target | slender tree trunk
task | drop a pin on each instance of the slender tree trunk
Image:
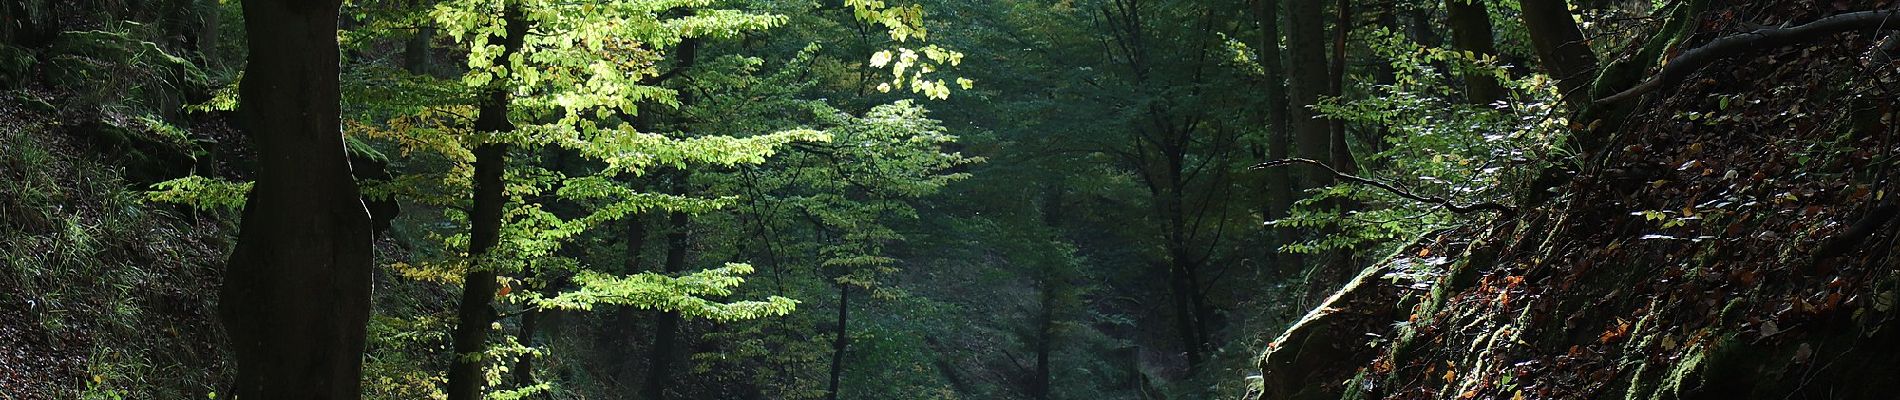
(1383, 78)
(416, 52)
(1340, 153)
(666, 328)
(296, 293)
(1050, 283)
(1470, 22)
(530, 324)
(1306, 62)
(1045, 332)
(1185, 325)
(844, 339)
(625, 318)
(1279, 181)
(1561, 49)
(476, 313)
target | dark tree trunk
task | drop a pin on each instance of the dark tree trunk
(1050, 282)
(666, 328)
(1306, 60)
(296, 293)
(844, 340)
(1561, 49)
(625, 319)
(478, 285)
(417, 54)
(28, 23)
(524, 366)
(1181, 290)
(1279, 181)
(1470, 22)
(678, 241)
(1339, 152)
(1045, 332)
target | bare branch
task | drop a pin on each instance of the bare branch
(1502, 210)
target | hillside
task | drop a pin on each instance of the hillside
(1732, 242)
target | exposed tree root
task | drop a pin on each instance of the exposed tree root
(1734, 45)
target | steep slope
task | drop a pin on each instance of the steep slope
(1731, 243)
(105, 294)
(102, 294)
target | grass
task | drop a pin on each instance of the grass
(116, 294)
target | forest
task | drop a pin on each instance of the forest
(949, 199)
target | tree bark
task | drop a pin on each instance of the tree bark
(416, 56)
(1470, 22)
(296, 292)
(1306, 60)
(1561, 49)
(28, 23)
(678, 241)
(1278, 184)
(1050, 283)
(666, 328)
(1339, 151)
(1039, 387)
(843, 340)
(476, 312)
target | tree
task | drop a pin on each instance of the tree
(296, 290)
(1279, 183)
(466, 377)
(1562, 50)
(1306, 60)
(1470, 22)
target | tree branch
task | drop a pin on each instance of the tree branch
(1502, 210)
(1734, 45)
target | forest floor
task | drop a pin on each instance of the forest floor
(102, 293)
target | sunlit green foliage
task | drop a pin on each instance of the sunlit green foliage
(1433, 145)
(202, 193)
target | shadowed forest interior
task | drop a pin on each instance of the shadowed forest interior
(948, 199)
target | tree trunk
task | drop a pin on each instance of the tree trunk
(296, 292)
(1045, 332)
(1182, 293)
(1470, 22)
(416, 52)
(524, 366)
(28, 23)
(1050, 283)
(843, 340)
(666, 328)
(476, 313)
(1562, 50)
(626, 318)
(1279, 181)
(1306, 60)
(1339, 151)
